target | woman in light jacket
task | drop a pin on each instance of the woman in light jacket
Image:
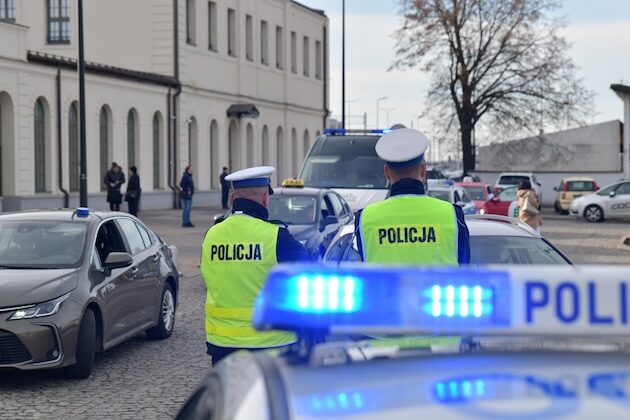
(530, 215)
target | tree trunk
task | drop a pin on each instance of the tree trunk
(467, 151)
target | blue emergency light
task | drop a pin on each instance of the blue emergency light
(382, 299)
(82, 212)
(344, 131)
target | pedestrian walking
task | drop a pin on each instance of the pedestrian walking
(187, 186)
(528, 204)
(236, 257)
(132, 195)
(410, 227)
(225, 188)
(114, 178)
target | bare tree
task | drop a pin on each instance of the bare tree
(500, 60)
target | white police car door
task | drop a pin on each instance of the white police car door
(619, 205)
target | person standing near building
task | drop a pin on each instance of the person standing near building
(114, 179)
(410, 227)
(225, 188)
(187, 186)
(236, 256)
(132, 195)
(528, 204)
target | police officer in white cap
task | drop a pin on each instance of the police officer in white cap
(410, 227)
(236, 256)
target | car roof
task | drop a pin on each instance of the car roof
(58, 214)
(517, 173)
(308, 191)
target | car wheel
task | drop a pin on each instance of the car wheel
(594, 214)
(166, 322)
(86, 348)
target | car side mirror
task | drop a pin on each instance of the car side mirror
(329, 220)
(118, 260)
(218, 218)
(612, 194)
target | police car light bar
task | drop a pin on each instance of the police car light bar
(344, 131)
(514, 300)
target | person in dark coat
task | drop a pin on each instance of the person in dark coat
(187, 186)
(225, 188)
(114, 179)
(132, 196)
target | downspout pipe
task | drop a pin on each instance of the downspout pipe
(325, 63)
(66, 195)
(174, 141)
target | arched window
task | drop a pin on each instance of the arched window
(307, 142)
(214, 153)
(280, 155)
(265, 146)
(40, 146)
(250, 145)
(132, 135)
(104, 132)
(6, 137)
(73, 147)
(234, 147)
(295, 165)
(157, 151)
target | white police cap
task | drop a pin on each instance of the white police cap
(257, 176)
(402, 148)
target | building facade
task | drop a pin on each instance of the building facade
(169, 83)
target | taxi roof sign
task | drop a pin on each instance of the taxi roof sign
(293, 183)
(521, 301)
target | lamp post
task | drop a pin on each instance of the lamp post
(83, 194)
(343, 63)
(382, 98)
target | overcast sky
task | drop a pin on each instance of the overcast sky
(599, 32)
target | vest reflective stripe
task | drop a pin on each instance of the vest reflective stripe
(237, 255)
(410, 229)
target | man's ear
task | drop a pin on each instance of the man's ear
(423, 170)
(387, 173)
(265, 198)
(232, 196)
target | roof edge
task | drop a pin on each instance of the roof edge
(310, 9)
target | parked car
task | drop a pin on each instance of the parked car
(312, 215)
(76, 283)
(612, 201)
(454, 195)
(503, 203)
(513, 179)
(493, 240)
(570, 189)
(479, 192)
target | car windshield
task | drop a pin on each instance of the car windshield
(512, 179)
(581, 186)
(476, 193)
(41, 244)
(441, 194)
(344, 162)
(293, 209)
(513, 250)
(607, 190)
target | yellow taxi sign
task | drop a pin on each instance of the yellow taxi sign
(293, 183)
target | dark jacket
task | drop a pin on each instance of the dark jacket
(224, 184)
(113, 193)
(187, 186)
(133, 187)
(410, 186)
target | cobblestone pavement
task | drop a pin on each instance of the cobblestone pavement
(151, 379)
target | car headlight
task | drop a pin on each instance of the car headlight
(40, 310)
(482, 211)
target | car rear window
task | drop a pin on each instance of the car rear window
(581, 186)
(512, 179)
(293, 209)
(476, 193)
(513, 250)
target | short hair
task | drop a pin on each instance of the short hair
(225, 168)
(250, 192)
(133, 169)
(407, 171)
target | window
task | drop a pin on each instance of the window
(249, 37)
(104, 143)
(7, 10)
(58, 22)
(336, 205)
(73, 145)
(279, 47)
(318, 60)
(40, 146)
(212, 26)
(131, 139)
(132, 234)
(293, 52)
(190, 22)
(623, 188)
(108, 240)
(232, 32)
(157, 152)
(336, 251)
(306, 57)
(264, 42)
(146, 237)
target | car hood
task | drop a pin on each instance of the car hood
(301, 232)
(25, 287)
(357, 199)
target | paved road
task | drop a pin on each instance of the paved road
(150, 380)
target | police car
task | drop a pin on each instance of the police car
(453, 194)
(492, 343)
(609, 202)
(493, 240)
(346, 161)
(312, 215)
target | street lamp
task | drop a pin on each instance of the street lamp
(83, 195)
(382, 98)
(343, 64)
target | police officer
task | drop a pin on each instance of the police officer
(410, 227)
(236, 256)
